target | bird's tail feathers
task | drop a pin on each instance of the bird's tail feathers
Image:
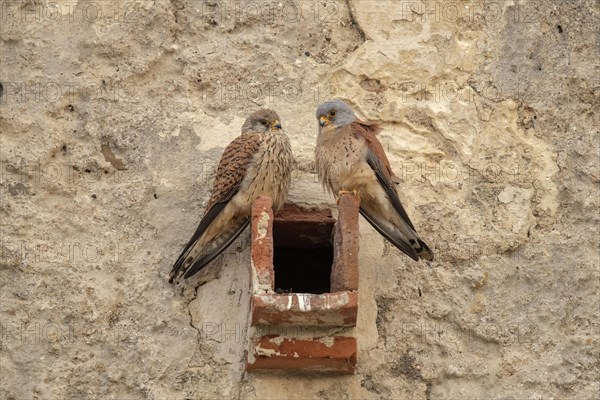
(422, 250)
(390, 232)
(419, 246)
(183, 262)
(214, 248)
(403, 237)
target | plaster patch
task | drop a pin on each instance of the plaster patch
(327, 341)
(263, 225)
(266, 352)
(303, 301)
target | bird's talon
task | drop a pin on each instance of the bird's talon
(342, 192)
(354, 192)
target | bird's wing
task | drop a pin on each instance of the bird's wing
(217, 246)
(405, 236)
(230, 173)
(389, 231)
(379, 163)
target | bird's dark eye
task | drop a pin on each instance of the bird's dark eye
(263, 122)
(332, 113)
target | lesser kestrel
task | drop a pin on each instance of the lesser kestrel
(350, 158)
(258, 162)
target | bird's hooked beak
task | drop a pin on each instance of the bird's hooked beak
(275, 125)
(323, 120)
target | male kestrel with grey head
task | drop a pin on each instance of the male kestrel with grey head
(350, 158)
(258, 162)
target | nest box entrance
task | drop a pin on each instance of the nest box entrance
(303, 250)
(305, 265)
(304, 272)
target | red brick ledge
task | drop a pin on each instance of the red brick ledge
(305, 309)
(344, 273)
(338, 308)
(328, 354)
(261, 248)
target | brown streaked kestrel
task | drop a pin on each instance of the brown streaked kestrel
(350, 158)
(258, 162)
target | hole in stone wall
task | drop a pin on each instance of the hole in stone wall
(303, 250)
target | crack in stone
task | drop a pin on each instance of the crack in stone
(176, 6)
(199, 336)
(355, 23)
(497, 100)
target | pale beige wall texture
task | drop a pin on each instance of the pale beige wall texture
(113, 116)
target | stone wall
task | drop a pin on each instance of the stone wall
(114, 115)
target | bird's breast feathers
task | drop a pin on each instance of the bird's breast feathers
(341, 162)
(270, 171)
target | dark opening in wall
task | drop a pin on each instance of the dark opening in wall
(303, 250)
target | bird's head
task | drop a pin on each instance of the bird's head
(336, 113)
(263, 120)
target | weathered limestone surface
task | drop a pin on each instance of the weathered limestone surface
(113, 117)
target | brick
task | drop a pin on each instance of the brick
(296, 227)
(263, 277)
(338, 308)
(328, 354)
(305, 309)
(292, 212)
(344, 273)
